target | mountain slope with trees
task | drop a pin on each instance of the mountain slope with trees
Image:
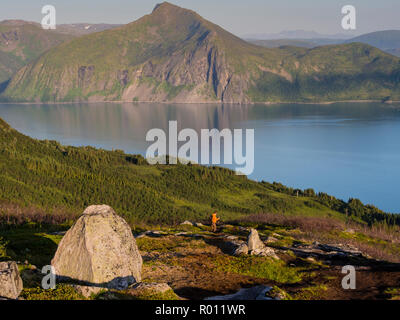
(49, 178)
(175, 55)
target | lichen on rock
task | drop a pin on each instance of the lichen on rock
(99, 250)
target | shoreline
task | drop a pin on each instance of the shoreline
(206, 102)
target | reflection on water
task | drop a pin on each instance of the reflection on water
(348, 150)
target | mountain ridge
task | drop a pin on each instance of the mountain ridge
(22, 42)
(175, 55)
(386, 40)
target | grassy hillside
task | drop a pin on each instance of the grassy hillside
(22, 42)
(337, 72)
(173, 54)
(45, 178)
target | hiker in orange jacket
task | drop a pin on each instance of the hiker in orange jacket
(214, 221)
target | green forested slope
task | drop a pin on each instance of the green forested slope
(52, 177)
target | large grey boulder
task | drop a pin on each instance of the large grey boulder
(10, 281)
(99, 250)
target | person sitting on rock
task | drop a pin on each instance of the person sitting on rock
(214, 220)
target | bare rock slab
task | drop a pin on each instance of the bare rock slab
(99, 250)
(255, 293)
(10, 280)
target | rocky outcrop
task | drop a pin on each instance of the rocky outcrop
(241, 249)
(326, 251)
(234, 246)
(264, 252)
(254, 246)
(10, 281)
(257, 247)
(253, 240)
(256, 293)
(99, 250)
(143, 291)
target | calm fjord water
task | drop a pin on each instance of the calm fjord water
(347, 150)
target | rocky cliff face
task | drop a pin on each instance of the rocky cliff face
(175, 55)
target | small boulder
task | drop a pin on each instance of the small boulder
(10, 281)
(236, 247)
(87, 291)
(241, 249)
(257, 247)
(99, 250)
(186, 223)
(253, 240)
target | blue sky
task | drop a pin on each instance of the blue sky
(238, 16)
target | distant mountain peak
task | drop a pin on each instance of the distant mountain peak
(165, 6)
(158, 5)
(170, 10)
